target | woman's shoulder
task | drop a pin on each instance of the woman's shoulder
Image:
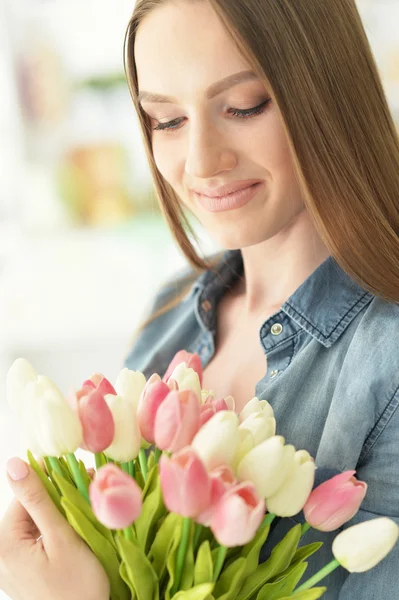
(169, 324)
(373, 353)
(380, 322)
(176, 286)
(180, 284)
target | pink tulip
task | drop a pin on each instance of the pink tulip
(238, 515)
(185, 483)
(177, 421)
(101, 383)
(206, 412)
(218, 403)
(192, 361)
(151, 399)
(222, 478)
(96, 420)
(225, 475)
(115, 497)
(173, 385)
(335, 501)
(210, 407)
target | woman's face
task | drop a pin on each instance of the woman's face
(182, 50)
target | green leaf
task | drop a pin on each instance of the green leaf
(66, 470)
(153, 509)
(277, 562)
(85, 475)
(138, 475)
(188, 569)
(284, 586)
(152, 481)
(198, 592)
(203, 570)
(231, 580)
(298, 558)
(171, 560)
(151, 460)
(70, 493)
(49, 485)
(164, 542)
(305, 551)
(138, 568)
(125, 576)
(311, 594)
(252, 550)
(104, 551)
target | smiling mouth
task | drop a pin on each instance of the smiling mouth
(231, 201)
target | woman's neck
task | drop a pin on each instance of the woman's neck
(274, 269)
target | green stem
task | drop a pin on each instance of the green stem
(143, 463)
(221, 556)
(125, 467)
(181, 554)
(132, 470)
(99, 460)
(128, 533)
(269, 518)
(157, 456)
(55, 465)
(77, 475)
(329, 568)
(197, 535)
(305, 528)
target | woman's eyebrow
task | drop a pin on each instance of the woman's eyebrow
(211, 92)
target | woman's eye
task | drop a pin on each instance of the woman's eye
(240, 114)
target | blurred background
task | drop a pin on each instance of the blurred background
(83, 247)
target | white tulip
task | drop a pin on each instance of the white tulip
(256, 406)
(245, 443)
(127, 439)
(231, 403)
(52, 427)
(19, 375)
(291, 497)
(130, 384)
(362, 546)
(187, 379)
(217, 441)
(260, 426)
(205, 395)
(267, 465)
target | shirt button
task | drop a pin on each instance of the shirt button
(276, 329)
(206, 305)
(273, 373)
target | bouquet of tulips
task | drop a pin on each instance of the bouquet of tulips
(185, 490)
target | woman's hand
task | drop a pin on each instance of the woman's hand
(59, 566)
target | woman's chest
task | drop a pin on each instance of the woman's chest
(235, 371)
(239, 361)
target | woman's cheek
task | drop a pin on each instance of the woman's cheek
(168, 161)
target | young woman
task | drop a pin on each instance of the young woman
(268, 122)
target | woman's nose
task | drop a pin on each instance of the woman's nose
(208, 154)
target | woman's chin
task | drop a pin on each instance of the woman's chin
(234, 240)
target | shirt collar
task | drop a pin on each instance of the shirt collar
(324, 305)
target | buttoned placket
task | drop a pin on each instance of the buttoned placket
(277, 338)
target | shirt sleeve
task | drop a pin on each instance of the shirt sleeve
(379, 468)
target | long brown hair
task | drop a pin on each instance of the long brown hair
(316, 60)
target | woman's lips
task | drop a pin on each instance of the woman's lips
(229, 202)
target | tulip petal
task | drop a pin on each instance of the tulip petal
(362, 546)
(97, 421)
(115, 497)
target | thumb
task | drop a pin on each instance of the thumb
(33, 496)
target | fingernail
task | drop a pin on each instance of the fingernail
(17, 468)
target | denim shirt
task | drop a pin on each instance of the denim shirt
(332, 379)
